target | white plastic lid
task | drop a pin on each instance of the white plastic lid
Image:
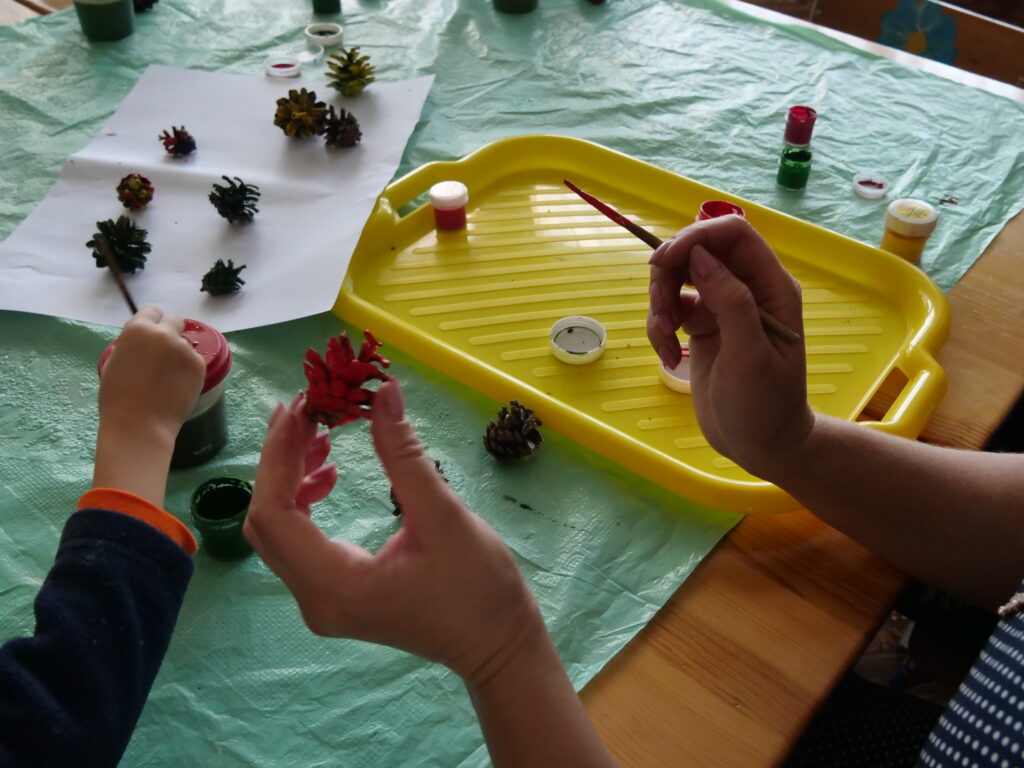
(283, 65)
(325, 33)
(577, 340)
(911, 218)
(870, 185)
(447, 195)
(677, 379)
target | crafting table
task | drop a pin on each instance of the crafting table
(731, 670)
(734, 666)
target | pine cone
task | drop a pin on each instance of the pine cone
(135, 191)
(178, 142)
(127, 243)
(513, 435)
(300, 115)
(342, 129)
(235, 202)
(348, 72)
(336, 394)
(144, 5)
(394, 499)
(223, 279)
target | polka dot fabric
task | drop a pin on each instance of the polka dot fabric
(983, 726)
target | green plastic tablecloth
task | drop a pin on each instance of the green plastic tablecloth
(693, 87)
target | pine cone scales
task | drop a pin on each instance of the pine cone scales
(300, 115)
(348, 72)
(514, 435)
(127, 243)
(341, 129)
(236, 201)
(222, 279)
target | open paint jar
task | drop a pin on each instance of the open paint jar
(677, 379)
(205, 431)
(219, 508)
(577, 340)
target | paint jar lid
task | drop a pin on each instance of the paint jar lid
(447, 195)
(207, 341)
(712, 209)
(283, 65)
(677, 379)
(800, 125)
(870, 185)
(577, 340)
(327, 34)
(911, 218)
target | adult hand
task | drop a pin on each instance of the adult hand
(749, 386)
(444, 586)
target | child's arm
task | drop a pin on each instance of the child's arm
(951, 518)
(71, 693)
(444, 587)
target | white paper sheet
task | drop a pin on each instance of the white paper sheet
(314, 202)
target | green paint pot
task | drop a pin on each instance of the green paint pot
(326, 7)
(106, 20)
(794, 168)
(219, 507)
(515, 6)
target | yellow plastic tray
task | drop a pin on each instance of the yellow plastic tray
(478, 306)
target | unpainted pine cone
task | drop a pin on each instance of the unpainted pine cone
(514, 435)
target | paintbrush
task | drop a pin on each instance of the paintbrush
(770, 322)
(104, 248)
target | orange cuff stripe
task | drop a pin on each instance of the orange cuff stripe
(137, 507)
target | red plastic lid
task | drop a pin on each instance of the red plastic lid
(207, 341)
(712, 209)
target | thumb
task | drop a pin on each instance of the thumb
(413, 475)
(728, 299)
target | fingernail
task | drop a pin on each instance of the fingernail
(391, 394)
(666, 357)
(295, 400)
(703, 264)
(327, 471)
(666, 323)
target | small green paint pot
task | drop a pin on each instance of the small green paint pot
(219, 507)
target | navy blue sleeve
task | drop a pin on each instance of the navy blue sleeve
(70, 695)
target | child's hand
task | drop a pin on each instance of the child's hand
(749, 387)
(148, 385)
(153, 376)
(444, 586)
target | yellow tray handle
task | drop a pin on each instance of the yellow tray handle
(911, 410)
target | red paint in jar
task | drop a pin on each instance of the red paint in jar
(449, 200)
(800, 126)
(712, 209)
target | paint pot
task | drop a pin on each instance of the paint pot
(205, 431)
(713, 209)
(106, 20)
(908, 225)
(799, 126)
(219, 509)
(326, 7)
(577, 340)
(794, 168)
(449, 200)
(325, 34)
(282, 65)
(677, 379)
(870, 185)
(515, 6)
